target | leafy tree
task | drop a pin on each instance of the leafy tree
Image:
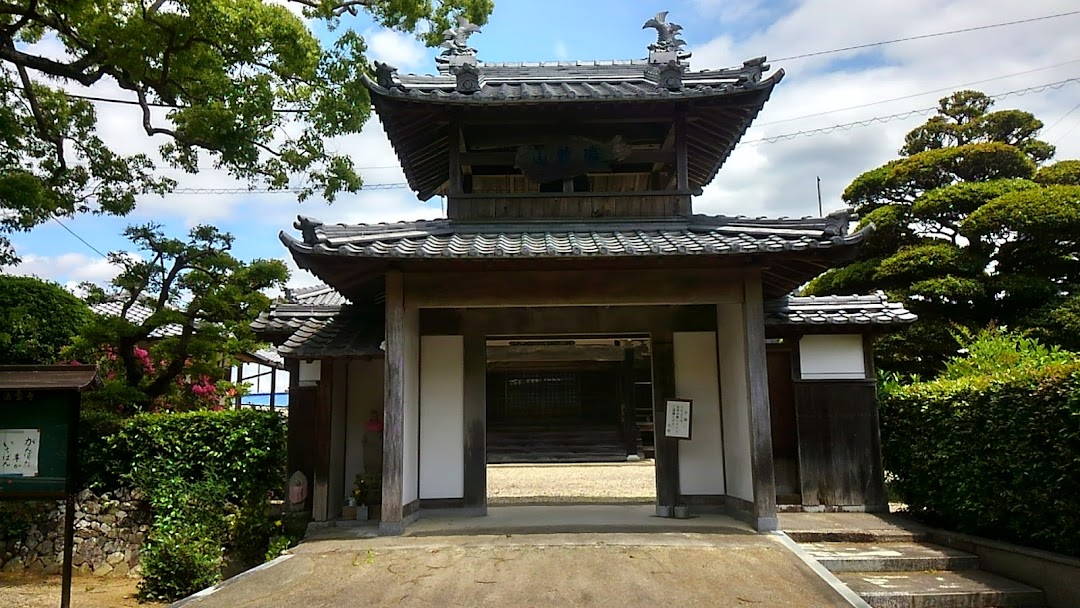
(245, 82)
(968, 231)
(199, 301)
(37, 320)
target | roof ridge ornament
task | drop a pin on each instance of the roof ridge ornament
(456, 43)
(668, 45)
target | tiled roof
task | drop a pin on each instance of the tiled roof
(837, 310)
(136, 314)
(315, 295)
(287, 318)
(700, 235)
(574, 81)
(348, 334)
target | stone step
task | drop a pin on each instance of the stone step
(889, 557)
(964, 589)
(886, 535)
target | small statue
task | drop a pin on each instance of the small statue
(667, 34)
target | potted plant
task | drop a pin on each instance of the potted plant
(367, 490)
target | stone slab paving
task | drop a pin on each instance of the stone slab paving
(940, 589)
(587, 569)
(622, 482)
(896, 557)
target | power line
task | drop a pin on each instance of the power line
(924, 36)
(1058, 121)
(134, 102)
(81, 239)
(274, 190)
(913, 95)
(901, 116)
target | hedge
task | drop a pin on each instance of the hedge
(207, 476)
(994, 455)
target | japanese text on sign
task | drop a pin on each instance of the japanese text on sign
(677, 424)
(19, 452)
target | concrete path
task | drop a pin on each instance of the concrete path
(629, 558)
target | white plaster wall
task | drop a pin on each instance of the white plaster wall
(442, 417)
(701, 459)
(832, 356)
(735, 400)
(410, 488)
(364, 395)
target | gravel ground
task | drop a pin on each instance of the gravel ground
(35, 591)
(573, 483)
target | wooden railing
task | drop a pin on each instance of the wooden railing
(575, 205)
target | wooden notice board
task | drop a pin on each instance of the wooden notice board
(36, 429)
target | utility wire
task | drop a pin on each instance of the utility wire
(134, 102)
(81, 239)
(901, 116)
(913, 95)
(1058, 121)
(924, 36)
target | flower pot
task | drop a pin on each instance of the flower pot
(361, 513)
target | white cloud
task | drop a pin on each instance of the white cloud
(68, 269)
(400, 50)
(780, 178)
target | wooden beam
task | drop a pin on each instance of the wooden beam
(757, 378)
(667, 449)
(573, 288)
(475, 411)
(604, 321)
(682, 179)
(507, 158)
(392, 521)
(454, 144)
(629, 414)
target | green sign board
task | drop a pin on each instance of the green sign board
(36, 439)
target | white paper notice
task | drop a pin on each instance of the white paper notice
(19, 452)
(677, 424)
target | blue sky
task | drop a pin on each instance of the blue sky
(774, 179)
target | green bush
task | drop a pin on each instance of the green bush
(208, 477)
(183, 553)
(992, 448)
(37, 320)
(242, 449)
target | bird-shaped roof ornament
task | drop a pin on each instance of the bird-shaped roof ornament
(667, 34)
(456, 39)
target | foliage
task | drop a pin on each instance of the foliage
(245, 82)
(37, 320)
(183, 552)
(198, 295)
(288, 531)
(968, 231)
(990, 447)
(208, 476)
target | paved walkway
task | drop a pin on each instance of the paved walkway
(706, 561)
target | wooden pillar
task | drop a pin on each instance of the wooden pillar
(392, 521)
(757, 381)
(454, 148)
(320, 483)
(629, 421)
(667, 450)
(475, 412)
(682, 170)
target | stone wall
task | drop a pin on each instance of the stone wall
(109, 531)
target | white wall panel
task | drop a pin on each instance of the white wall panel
(410, 485)
(701, 459)
(735, 400)
(442, 417)
(832, 357)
